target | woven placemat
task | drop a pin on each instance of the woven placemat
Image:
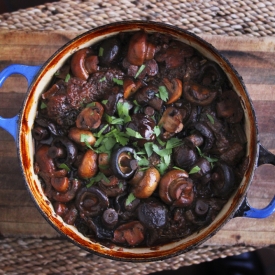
(43, 256)
(225, 17)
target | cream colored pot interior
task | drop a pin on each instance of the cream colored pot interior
(26, 149)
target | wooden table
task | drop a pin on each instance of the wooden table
(254, 59)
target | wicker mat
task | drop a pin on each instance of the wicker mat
(228, 17)
(44, 256)
(225, 17)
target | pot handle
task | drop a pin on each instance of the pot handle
(29, 72)
(245, 210)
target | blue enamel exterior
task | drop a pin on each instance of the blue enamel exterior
(29, 72)
(260, 213)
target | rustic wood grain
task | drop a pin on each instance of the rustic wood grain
(253, 58)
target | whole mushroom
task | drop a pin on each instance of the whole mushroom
(175, 188)
(88, 166)
(83, 63)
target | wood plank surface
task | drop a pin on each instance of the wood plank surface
(254, 59)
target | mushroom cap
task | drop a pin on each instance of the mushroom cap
(88, 165)
(148, 184)
(166, 181)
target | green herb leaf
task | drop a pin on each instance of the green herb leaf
(143, 161)
(178, 168)
(141, 68)
(64, 166)
(123, 111)
(132, 133)
(211, 119)
(162, 167)
(91, 104)
(83, 137)
(194, 170)
(100, 176)
(101, 51)
(118, 81)
(173, 142)
(161, 152)
(130, 199)
(43, 105)
(67, 78)
(163, 94)
(210, 159)
(57, 73)
(157, 130)
(167, 159)
(102, 79)
(121, 137)
(162, 143)
(102, 130)
(149, 148)
(113, 120)
(104, 101)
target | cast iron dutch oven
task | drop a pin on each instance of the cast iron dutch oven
(21, 125)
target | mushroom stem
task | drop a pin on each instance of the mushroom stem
(129, 163)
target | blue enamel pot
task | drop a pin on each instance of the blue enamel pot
(21, 125)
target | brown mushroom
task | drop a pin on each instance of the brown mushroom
(110, 218)
(130, 87)
(60, 184)
(90, 117)
(171, 120)
(88, 165)
(147, 184)
(83, 63)
(104, 164)
(112, 186)
(81, 137)
(67, 213)
(174, 89)
(175, 188)
(140, 49)
(91, 202)
(131, 233)
(74, 186)
(198, 94)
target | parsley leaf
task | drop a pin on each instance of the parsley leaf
(123, 111)
(141, 68)
(118, 81)
(113, 120)
(100, 176)
(149, 148)
(161, 152)
(64, 166)
(130, 199)
(194, 170)
(67, 78)
(173, 142)
(101, 51)
(43, 105)
(132, 133)
(102, 79)
(163, 94)
(157, 130)
(211, 119)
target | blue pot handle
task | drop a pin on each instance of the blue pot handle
(245, 210)
(29, 72)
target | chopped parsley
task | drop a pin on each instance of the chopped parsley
(194, 170)
(141, 68)
(163, 94)
(67, 78)
(101, 51)
(43, 105)
(64, 166)
(211, 119)
(118, 81)
(130, 199)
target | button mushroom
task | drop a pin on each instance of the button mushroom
(104, 164)
(123, 163)
(147, 184)
(91, 202)
(171, 120)
(207, 135)
(110, 218)
(198, 94)
(174, 89)
(88, 166)
(110, 51)
(140, 49)
(63, 150)
(81, 137)
(90, 117)
(185, 155)
(112, 186)
(222, 180)
(69, 194)
(153, 214)
(175, 188)
(83, 63)
(131, 233)
(67, 213)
